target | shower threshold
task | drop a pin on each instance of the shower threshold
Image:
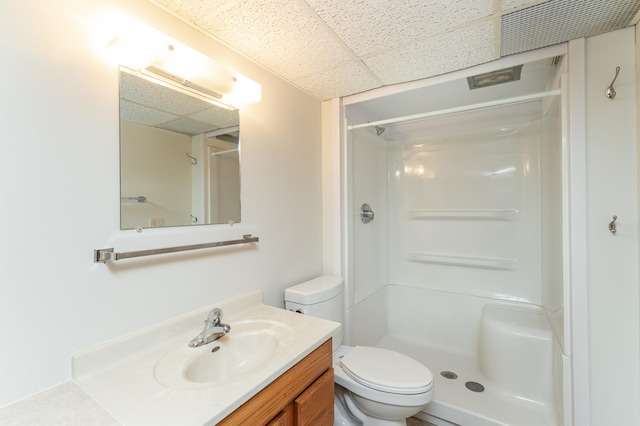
(457, 403)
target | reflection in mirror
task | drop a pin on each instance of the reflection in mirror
(179, 156)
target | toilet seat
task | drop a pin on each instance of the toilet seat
(386, 371)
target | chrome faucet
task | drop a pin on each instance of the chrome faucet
(213, 329)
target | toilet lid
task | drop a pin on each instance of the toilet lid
(386, 370)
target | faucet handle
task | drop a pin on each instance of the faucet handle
(215, 316)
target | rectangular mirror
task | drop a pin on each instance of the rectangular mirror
(179, 156)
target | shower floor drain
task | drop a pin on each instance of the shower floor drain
(474, 386)
(449, 375)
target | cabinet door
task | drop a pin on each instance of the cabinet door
(314, 406)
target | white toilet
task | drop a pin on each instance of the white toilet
(374, 386)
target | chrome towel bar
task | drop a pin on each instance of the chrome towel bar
(108, 254)
(139, 198)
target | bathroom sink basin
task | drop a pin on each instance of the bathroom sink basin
(246, 353)
(248, 347)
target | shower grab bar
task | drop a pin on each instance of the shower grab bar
(456, 110)
(496, 263)
(498, 214)
(108, 255)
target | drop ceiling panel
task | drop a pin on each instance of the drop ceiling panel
(282, 35)
(192, 10)
(130, 111)
(440, 54)
(369, 26)
(349, 78)
(187, 126)
(510, 5)
(218, 117)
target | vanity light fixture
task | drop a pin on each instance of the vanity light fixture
(181, 84)
(155, 55)
(181, 80)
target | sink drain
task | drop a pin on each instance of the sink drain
(474, 386)
(449, 375)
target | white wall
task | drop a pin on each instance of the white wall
(612, 260)
(60, 190)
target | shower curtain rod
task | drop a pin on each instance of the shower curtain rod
(454, 110)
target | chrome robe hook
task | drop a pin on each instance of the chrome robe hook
(194, 160)
(612, 225)
(610, 92)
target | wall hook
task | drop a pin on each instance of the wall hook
(612, 225)
(610, 92)
(194, 160)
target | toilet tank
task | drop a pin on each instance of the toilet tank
(320, 297)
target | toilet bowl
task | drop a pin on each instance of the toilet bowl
(373, 386)
(384, 387)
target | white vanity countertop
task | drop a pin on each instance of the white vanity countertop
(65, 404)
(120, 374)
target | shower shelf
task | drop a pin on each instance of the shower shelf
(498, 214)
(469, 262)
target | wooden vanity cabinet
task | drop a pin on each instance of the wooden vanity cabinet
(302, 396)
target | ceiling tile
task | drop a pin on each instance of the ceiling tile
(282, 35)
(447, 52)
(519, 4)
(219, 117)
(348, 79)
(187, 126)
(189, 9)
(368, 26)
(130, 111)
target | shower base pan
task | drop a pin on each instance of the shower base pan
(464, 396)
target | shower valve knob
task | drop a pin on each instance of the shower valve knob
(366, 214)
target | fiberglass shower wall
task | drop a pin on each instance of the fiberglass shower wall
(469, 203)
(465, 203)
(367, 276)
(475, 207)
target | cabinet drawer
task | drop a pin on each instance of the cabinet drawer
(285, 418)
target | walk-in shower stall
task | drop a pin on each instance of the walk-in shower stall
(456, 232)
